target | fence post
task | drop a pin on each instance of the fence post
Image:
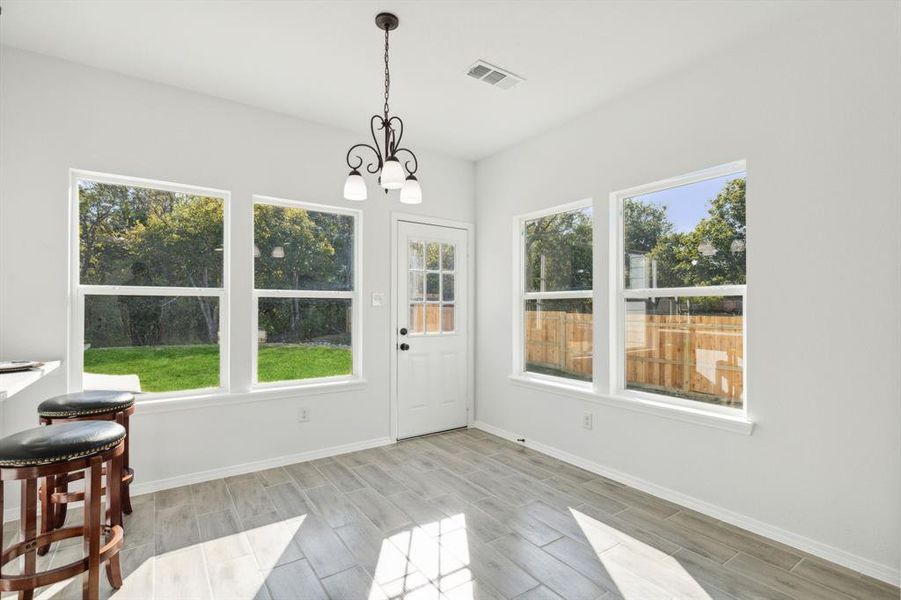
(686, 354)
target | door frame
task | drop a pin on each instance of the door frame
(396, 219)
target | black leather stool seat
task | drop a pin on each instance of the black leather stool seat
(56, 443)
(83, 404)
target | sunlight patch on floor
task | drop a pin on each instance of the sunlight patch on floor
(422, 562)
(639, 570)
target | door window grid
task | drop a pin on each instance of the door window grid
(430, 290)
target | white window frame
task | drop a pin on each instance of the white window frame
(620, 294)
(78, 290)
(520, 296)
(354, 296)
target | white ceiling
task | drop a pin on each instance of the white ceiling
(323, 60)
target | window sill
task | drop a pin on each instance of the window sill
(733, 423)
(220, 398)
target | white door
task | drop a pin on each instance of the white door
(432, 317)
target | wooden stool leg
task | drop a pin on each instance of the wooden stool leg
(59, 510)
(114, 516)
(48, 515)
(126, 494)
(90, 587)
(28, 527)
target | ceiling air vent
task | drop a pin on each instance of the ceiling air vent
(493, 75)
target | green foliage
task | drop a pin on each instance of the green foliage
(713, 253)
(564, 242)
(318, 249)
(174, 368)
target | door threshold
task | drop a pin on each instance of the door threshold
(422, 435)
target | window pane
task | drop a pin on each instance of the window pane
(416, 255)
(151, 343)
(417, 318)
(447, 257)
(302, 249)
(432, 318)
(431, 255)
(687, 236)
(558, 337)
(447, 288)
(558, 252)
(303, 338)
(415, 291)
(687, 347)
(447, 318)
(432, 281)
(140, 236)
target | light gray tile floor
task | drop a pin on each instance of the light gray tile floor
(461, 515)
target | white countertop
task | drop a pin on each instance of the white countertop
(13, 383)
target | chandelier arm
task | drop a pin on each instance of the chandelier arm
(376, 123)
(369, 168)
(397, 134)
(415, 161)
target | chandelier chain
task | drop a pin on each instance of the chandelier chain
(387, 75)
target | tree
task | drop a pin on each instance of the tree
(558, 251)
(713, 253)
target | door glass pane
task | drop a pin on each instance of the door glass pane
(447, 318)
(447, 257)
(431, 286)
(447, 288)
(687, 236)
(415, 291)
(415, 254)
(558, 337)
(417, 318)
(687, 348)
(303, 338)
(151, 343)
(432, 318)
(432, 256)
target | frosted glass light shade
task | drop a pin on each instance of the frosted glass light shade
(355, 186)
(411, 193)
(278, 252)
(392, 174)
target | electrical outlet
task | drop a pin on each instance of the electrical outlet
(303, 415)
(587, 420)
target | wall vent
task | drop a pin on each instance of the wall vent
(492, 75)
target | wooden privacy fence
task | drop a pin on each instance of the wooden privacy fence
(698, 357)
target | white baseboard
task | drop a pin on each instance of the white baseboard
(852, 561)
(147, 487)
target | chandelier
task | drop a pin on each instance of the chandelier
(393, 175)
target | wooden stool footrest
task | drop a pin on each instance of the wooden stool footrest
(14, 583)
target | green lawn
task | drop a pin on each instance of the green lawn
(171, 368)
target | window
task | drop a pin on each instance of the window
(682, 289)
(305, 299)
(149, 285)
(555, 297)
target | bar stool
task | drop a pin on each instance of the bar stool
(93, 405)
(55, 451)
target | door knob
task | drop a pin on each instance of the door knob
(403, 331)
(405, 347)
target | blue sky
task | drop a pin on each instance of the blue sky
(688, 204)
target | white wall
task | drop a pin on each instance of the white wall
(57, 115)
(816, 112)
